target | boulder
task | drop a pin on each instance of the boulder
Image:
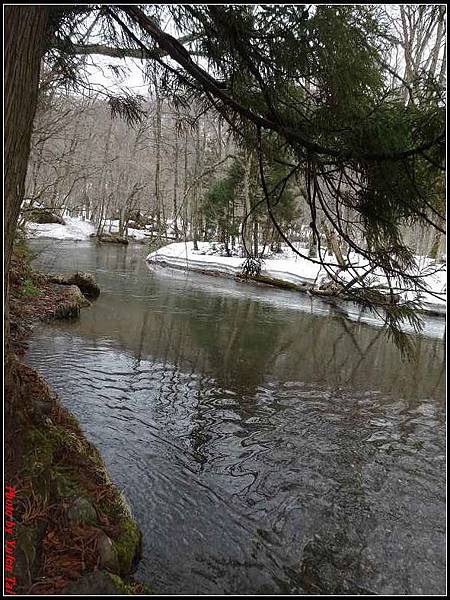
(97, 583)
(109, 559)
(112, 238)
(82, 511)
(73, 301)
(45, 216)
(84, 281)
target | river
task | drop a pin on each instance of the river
(266, 443)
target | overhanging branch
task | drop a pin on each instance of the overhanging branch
(179, 54)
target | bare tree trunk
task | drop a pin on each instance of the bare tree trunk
(103, 184)
(247, 235)
(333, 243)
(25, 30)
(195, 203)
(175, 187)
(438, 43)
(443, 70)
(25, 33)
(255, 237)
(438, 244)
(408, 38)
(158, 198)
(185, 185)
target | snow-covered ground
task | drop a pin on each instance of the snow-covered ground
(74, 229)
(112, 225)
(291, 268)
(78, 229)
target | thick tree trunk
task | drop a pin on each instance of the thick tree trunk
(25, 34)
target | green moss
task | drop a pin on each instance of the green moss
(39, 449)
(64, 481)
(42, 442)
(121, 585)
(128, 545)
(130, 588)
(29, 290)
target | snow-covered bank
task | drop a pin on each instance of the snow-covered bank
(74, 229)
(288, 268)
(78, 229)
(112, 226)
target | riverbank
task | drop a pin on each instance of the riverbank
(71, 530)
(77, 229)
(287, 270)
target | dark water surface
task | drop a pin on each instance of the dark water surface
(265, 443)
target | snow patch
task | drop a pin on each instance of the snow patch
(74, 229)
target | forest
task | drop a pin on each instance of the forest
(167, 155)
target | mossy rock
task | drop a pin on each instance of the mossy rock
(131, 588)
(97, 583)
(82, 511)
(107, 553)
(121, 585)
(128, 546)
(84, 281)
(64, 484)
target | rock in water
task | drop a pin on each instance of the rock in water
(85, 281)
(74, 300)
(87, 284)
(112, 238)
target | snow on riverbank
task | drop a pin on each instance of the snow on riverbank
(112, 226)
(78, 229)
(74, 229)
(289, 268)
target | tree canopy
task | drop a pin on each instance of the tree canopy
(316, 83)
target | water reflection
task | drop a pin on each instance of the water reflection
(264, 448)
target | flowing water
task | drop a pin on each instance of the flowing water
(266, 443)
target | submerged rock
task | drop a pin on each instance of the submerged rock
(84, 281)
(112, 238)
